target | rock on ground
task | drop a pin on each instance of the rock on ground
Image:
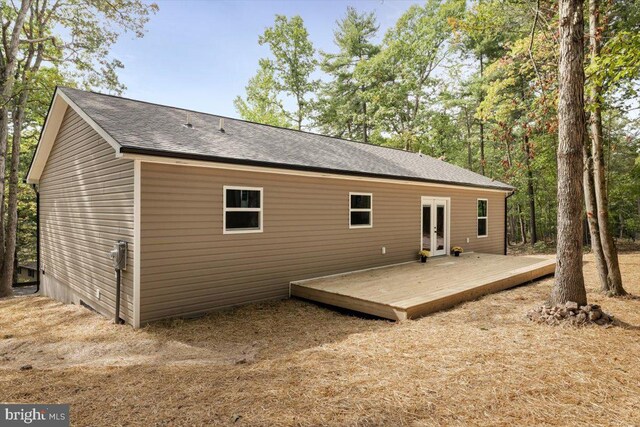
(570, 313)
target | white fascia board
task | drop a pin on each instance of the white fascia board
(45, 144)
(273, 170)
(50, 131)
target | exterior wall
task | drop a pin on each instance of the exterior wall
(86, 204)
(188, 265)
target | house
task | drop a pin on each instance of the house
(27, 272)
(219, 212)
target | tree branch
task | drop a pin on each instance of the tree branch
(38, 40)
(533, 33)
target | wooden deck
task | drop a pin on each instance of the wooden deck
(415, 289)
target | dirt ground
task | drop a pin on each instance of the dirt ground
(296, 363)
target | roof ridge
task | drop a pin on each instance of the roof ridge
(377, 158)
(246, 121)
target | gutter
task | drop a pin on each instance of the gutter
(203, 157)
(506, 237)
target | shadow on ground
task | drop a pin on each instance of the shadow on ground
(41, 332)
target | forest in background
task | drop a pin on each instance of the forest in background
(474, 84)
(43, 44)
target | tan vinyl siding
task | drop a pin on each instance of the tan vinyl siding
(188, 265)
(86, 204)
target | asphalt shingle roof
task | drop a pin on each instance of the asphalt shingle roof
(141, 127)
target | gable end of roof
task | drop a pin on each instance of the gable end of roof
(57, 110)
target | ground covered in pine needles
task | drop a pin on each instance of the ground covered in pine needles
(296, 363)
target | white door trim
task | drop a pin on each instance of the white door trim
(433, 201)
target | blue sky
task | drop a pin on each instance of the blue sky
(200, 54)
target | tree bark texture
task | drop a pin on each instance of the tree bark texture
(481, 121)
(29, 67)
(7, 268)
(9, 64)
(569, 280)
(530, 193)
(595, 125)
(523, 229)
(592, 216)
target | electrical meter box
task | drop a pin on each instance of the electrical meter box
(119, 255)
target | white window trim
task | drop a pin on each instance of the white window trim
(225, 209)
(486, 218)
(370, 210)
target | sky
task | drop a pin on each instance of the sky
(200, 54)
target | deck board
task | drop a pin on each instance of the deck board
(416, 289)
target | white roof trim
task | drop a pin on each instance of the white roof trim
(272, 170)
(50, 131)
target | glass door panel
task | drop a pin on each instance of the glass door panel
(433, 236)
(440, 228)
(426, 227)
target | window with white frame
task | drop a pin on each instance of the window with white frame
(242, 210)
(483, 217)
(360, 210)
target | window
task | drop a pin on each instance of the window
(242, 210)
(360, 210)
(483, 215)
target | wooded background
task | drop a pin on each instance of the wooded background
(472, 83)
(46, 43)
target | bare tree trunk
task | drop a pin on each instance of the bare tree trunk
(15, 267)
(530, 192)
(9, 64)
(365, 129)
(481, 121)
(514, 228)
(621, 221)
(523, 230)
(467, 123)
(7, 269)
(29, 68)
(637, 233)
(1, 231)
(569, 281)
(592, 216)
(606, 238)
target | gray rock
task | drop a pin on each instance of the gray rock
(571, 305)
